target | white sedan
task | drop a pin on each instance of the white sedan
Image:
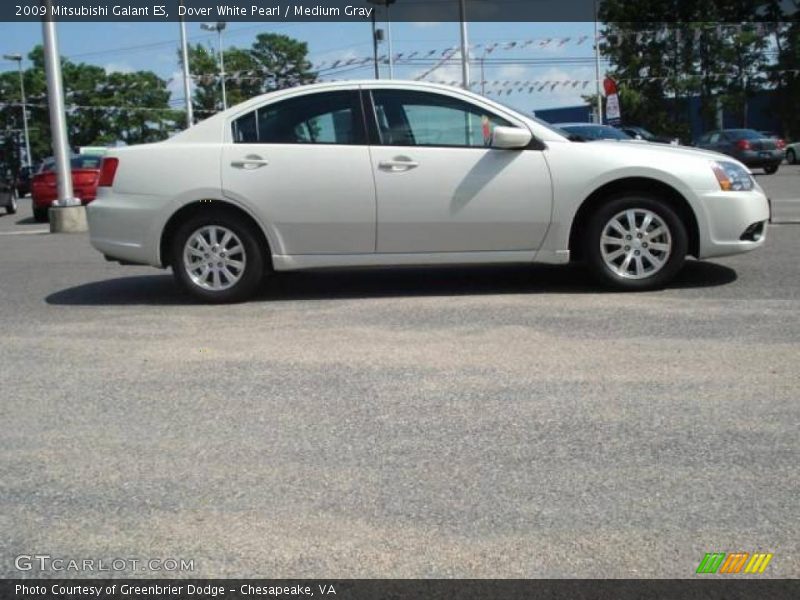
(406, 173)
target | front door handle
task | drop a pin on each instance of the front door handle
(398, 164)
(250, 162)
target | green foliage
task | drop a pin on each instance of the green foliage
(664, 52)
(102, 107)
(272, 62)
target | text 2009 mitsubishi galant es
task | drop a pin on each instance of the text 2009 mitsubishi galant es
(370, 173)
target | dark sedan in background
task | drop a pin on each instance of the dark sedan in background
(8, 192)
(24, 181)
(748, 146)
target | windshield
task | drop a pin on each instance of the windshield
(596, 132)
(537, 120)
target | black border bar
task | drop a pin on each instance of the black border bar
(700, 588)
(274, 11)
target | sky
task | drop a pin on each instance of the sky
(153, 46)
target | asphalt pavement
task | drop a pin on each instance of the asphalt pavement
(468, 422)
(783, 189)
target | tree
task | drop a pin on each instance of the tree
(273, 62)
(102, 107)
(665, 52)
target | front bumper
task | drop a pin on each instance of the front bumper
(736, 222)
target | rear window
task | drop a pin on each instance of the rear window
(745, 134)
(76, 162)
(86, 162)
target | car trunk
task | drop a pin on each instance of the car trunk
(84, 185)
(763, 144)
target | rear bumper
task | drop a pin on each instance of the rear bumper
(737, 222)
(124, 227)
(756, 158)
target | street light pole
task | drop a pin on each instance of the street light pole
(58, 119)
(462, 15)
(18, 59)
(187, 81)
(219, 27)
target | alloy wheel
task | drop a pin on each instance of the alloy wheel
(214, 258)
(636, 243)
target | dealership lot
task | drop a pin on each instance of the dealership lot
(482, 422)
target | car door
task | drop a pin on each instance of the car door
(442, 188)
(303, 165)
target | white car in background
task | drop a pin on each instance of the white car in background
(406, 173)
(793, 153)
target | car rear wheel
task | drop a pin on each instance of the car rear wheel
(217, 257)
(40, 215)
(791, 157)
(11, 207)
(635, 242)
(771, 169)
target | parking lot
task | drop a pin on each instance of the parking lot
(469, 422)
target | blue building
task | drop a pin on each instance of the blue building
(761, 115)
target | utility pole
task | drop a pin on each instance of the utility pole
(219, 27)
(597, 67)
(18, 59)
(67, 213)
(187, 78)
(375, 47)
(462, 16)
(375, 36)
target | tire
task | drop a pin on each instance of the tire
(652, 268)
(11, 207)
(771, 170)
(791, 157)
(40, 215)
(242, 258)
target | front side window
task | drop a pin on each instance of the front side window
(409, 118)
(323, 118)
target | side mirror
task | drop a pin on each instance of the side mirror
(511, 138)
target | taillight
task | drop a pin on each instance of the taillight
(107, 172)
(741, 145)
(781, 144)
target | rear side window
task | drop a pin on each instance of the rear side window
(323, 118)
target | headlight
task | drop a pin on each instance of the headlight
(732, 177)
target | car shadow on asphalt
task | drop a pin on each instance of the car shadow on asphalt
(382, 283)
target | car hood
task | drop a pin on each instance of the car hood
(662, 149)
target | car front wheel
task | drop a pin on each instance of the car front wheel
(636, 243)
(772, 169)
(791, 157)
(217, 257)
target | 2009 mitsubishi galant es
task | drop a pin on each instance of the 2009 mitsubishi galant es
(401, 173)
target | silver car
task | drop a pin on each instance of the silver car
(407, 173)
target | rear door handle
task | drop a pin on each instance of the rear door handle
(250, 162)
(398, 165)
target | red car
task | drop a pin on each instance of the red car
(44, 190)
